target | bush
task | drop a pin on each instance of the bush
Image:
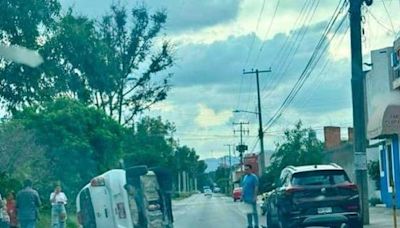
(182, 195)
(374, 201)
(374, 173)
(45, 219)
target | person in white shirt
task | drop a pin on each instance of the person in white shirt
(58, 213)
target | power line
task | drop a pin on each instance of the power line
(254, 35)
(317, 82)
(380, 23)
(314, 59)
(293, 51)
(388, 14)
(267, 32)
(249, 54)
(286, 53)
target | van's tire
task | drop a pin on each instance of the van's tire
(283, 221)
(270, 224)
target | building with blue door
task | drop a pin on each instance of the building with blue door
(382, 84)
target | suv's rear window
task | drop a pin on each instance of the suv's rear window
(320, 177)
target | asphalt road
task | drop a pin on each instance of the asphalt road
(199, 211)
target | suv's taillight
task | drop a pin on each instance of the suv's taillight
(352, 207)
(350, 186)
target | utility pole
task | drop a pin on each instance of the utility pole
(260, 127)
(241, 147)
(357, 88)
(230, 164)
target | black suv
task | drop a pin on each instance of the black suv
(317, 195)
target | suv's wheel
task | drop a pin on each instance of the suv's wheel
(356, 224)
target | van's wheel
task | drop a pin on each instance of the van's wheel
(283, 222)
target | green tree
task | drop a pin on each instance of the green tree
(21, 157)
(80, 142)
(222, 178)
(113, 63)
(25, 23)
(150, 143)
(299, 147)
(116, 63)
(374, 173)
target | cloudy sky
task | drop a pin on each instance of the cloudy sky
(217, 39)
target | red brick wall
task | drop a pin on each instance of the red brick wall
(252, 159)
(332, 137)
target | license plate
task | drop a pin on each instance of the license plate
(324, 210)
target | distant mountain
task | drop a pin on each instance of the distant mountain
(213, 163)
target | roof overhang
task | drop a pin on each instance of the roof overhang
(384, 123)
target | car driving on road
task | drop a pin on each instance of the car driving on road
(317, 195)
(207, 192)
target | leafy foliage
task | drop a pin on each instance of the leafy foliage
(374, 173)
(222, 178)
(73, 116)
(150, 144)
(25, 23)
(115, 63)
(20, 156)
(299, 147)
(80, 142)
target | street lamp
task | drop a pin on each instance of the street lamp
(260, 136)
(237, 111)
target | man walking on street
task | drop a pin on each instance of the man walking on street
(28, 203)
(249, 195)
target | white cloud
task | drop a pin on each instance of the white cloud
(164, 106)
(208, 117)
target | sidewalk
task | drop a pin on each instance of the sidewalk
(382, 217)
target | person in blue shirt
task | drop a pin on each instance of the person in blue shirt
(249, 195)
(28, 203)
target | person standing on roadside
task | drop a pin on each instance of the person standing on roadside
(4, 218)
(58, 213)
(11, 210)
(28, 203)
(249, 195)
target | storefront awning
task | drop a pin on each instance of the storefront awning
(384, 122)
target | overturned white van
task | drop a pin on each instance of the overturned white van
(131, 198)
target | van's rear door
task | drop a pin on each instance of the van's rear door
(86, 216)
